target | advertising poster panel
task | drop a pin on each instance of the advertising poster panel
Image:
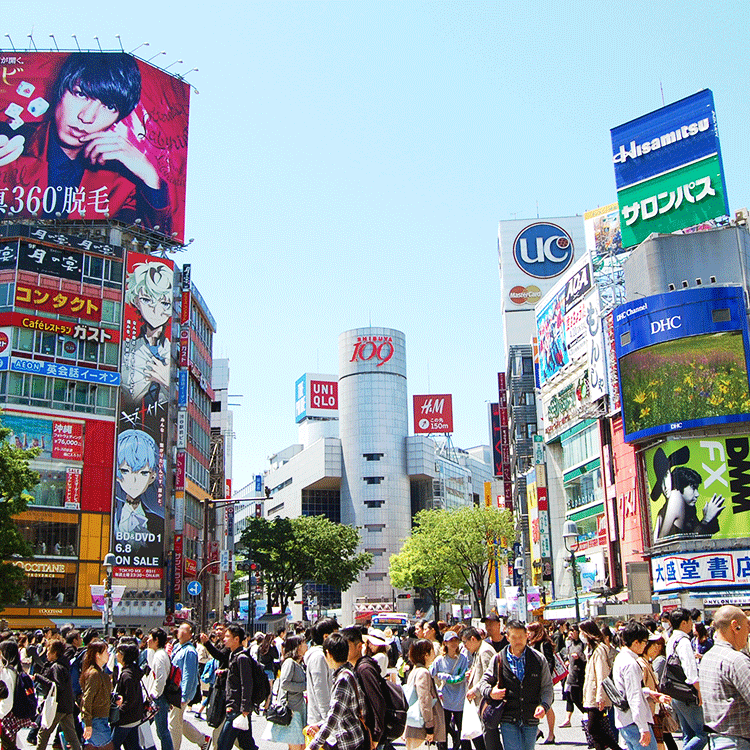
(119, 125)
(682, 360)
(141, 467)
(700, 488)
(716, 570)
(533, 255)
(668, 169)
(433, 414)
(316, 396)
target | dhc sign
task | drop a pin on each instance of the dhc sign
(543, 250)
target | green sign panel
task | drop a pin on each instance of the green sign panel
(678, 199)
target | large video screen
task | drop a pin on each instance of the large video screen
(700, 377)
(94, 136)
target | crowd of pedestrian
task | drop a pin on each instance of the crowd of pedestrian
(636, 685)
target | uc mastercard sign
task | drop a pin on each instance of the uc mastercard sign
(543, 250)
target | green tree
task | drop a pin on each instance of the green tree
(16, 480)
(292, 551)
(423, 564)
(464, 540)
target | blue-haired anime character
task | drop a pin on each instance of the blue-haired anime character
(137, 470)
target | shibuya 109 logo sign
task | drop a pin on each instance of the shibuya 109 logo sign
(373, 348)
(543, 250)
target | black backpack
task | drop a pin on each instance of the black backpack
(396, 706)
(674, 682)
(24, 697)
(173, 687)
(261, 686)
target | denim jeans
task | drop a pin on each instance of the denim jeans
(161, 723)
(518, 736)
(690, 716)
(632, 736)
(728, 742)
(126, 737)
(101, 732)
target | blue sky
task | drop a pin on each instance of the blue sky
(349, 163)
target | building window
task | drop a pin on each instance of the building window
(373, 480)
(372, 456)
(373, 503)
(374, 527)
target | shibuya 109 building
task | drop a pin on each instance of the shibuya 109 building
(357, 463)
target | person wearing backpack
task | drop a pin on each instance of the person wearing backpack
(159, 666)
(18, 708)
(690, 715)
(57, 671)
(185, 658)
(239, 691)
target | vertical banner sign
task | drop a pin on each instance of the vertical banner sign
(185, 289)
(178, 562)
(141, 466)
(505, 439)
(496, 441)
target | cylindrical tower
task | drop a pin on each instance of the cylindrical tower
(373, 423)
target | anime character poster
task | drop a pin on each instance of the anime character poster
(700, 488)
(92, 135)
(141, 462)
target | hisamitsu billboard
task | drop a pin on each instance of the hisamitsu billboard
(94, 136)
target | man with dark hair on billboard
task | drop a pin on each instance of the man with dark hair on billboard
(97, 170)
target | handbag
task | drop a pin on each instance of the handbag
(414, 716)
(277, 712)
(471, 726)
(49, 707)
(618, 700)
(114, 711)
(216, 710)
(561, 671)
(491, 710)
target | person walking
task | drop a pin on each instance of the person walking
(595, 700)
(449, 669)
(724, 676)
(541, 642)
(292, 682)
(576, 672)
(159, 665)
(519, 675)
(656, 701)
(655, 650)
(96, 687)
(421, 655)
(343, 727)
(690, 715)
(318, 673)
(57, 671)
(481, 655)
(239, 692)
(636, 722)
(11, 667)
(185, 658)
(130, 697)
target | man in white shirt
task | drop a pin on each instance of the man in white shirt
(690, 715)
(635, 724)
(159, 664)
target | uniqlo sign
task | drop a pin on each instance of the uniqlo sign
(433, 414)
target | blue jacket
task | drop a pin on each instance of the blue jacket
(186, 658)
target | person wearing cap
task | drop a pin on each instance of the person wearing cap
(377, 648)
(495, 635)
(449, 671)
(725, 680)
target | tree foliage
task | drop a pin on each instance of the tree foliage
(424, 564)
(16, 480)
(292, 551)
(460, 542)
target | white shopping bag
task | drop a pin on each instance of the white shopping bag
(49, 707)
(471, 727)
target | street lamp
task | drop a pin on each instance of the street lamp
(520, 567)
(108, 564)
(570, 537)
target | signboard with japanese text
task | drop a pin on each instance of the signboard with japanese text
(725, 570)
(79, 331)
(699, 488)
(668, 169)
(54, 237)
(142, 465)
(56, 439)
(682, 360)
(58, 302)
(433, 414)
(130, 161)
(52, 370)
